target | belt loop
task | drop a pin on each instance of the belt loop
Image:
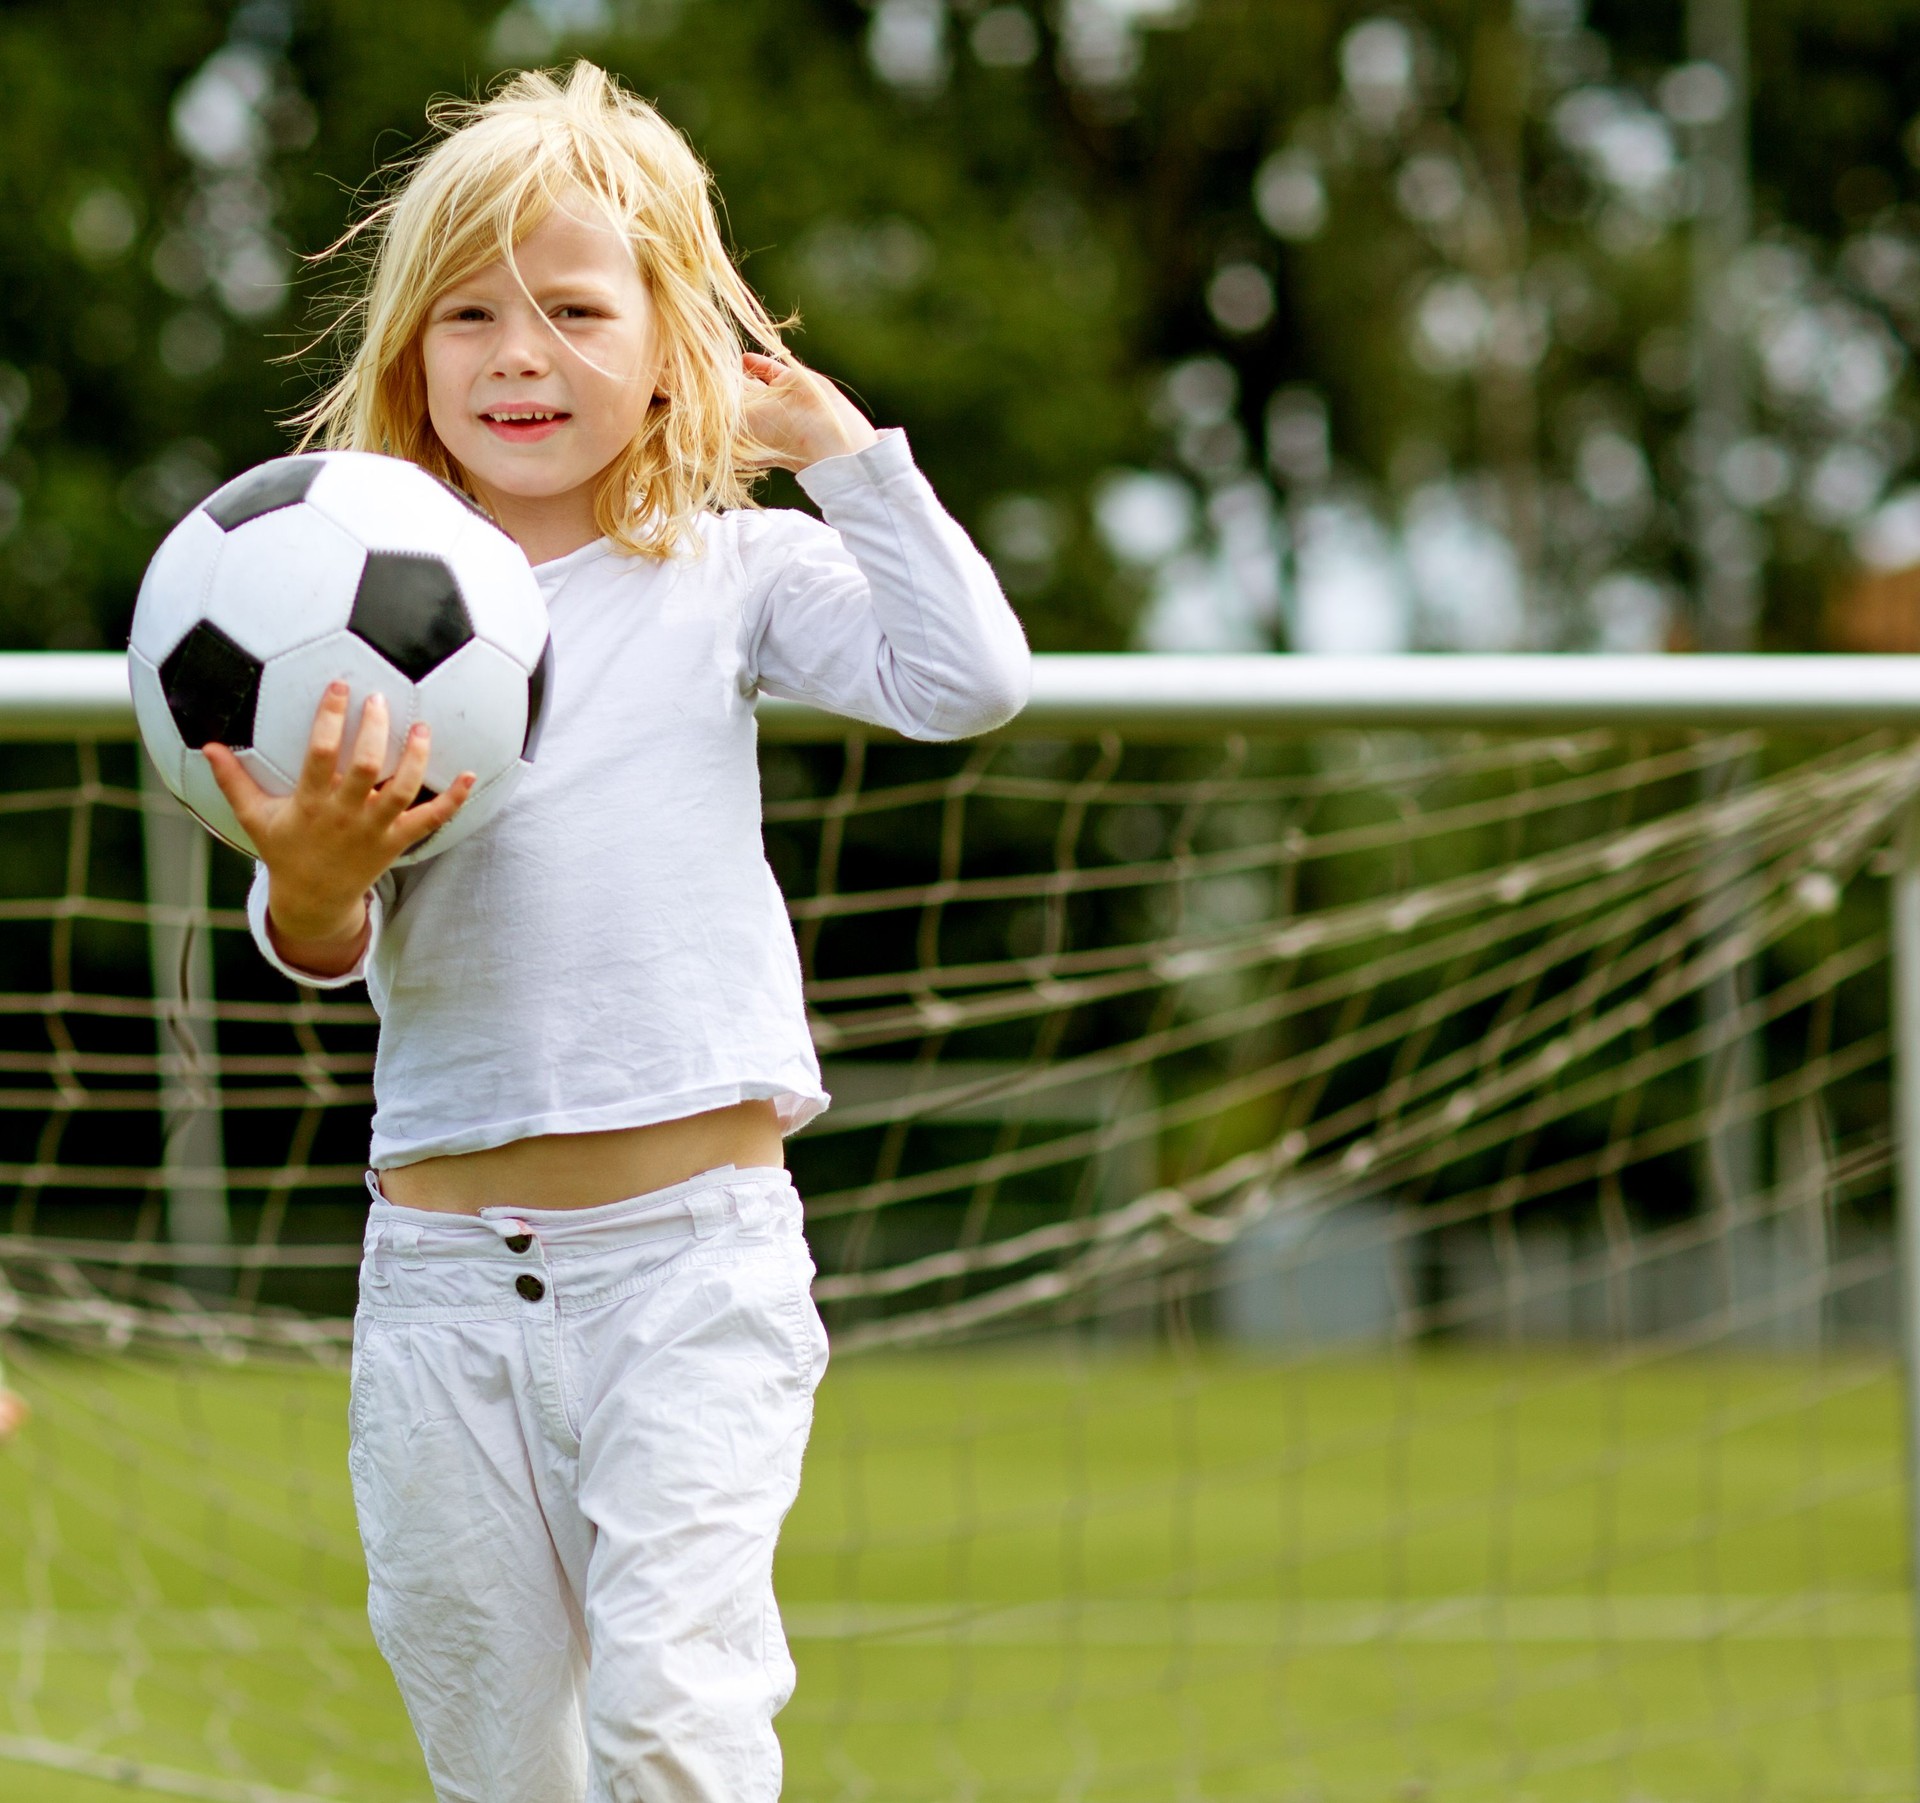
(710, 1209)
(406, 1245)
(374, 1260)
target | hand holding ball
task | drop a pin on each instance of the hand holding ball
(339, 567)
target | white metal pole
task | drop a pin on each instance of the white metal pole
(178, 946)
(1732, 1073)
(1906, 1137)
(48, 695)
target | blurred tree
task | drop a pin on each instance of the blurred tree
(941, 261)
(81, 403)
(1221, 323)
(1448, 294)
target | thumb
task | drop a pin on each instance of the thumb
(770, 369)
(244, 795)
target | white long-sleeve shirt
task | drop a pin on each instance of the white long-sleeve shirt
(613, 950)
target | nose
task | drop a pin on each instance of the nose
(522, 346)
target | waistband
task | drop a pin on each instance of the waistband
(699, 1205)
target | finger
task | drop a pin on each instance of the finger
(430, 816)
(369, 750)
(323, 743)
(244, 795)
(778, 377)
(765, 407)
(398, 791)
(764, 429)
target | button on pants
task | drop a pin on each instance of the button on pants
(574, 1436)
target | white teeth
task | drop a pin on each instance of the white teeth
(511, 419)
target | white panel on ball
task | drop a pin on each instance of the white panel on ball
(202, 794)
(173, 592)
(157, 729)
(476, 703)
(502, 595)
(284, 580)
(291, 688)
(386, 504)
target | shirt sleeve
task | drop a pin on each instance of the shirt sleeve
(257, 924)
(887, 612)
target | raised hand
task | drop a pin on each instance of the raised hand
(796, 416)
(327, 843)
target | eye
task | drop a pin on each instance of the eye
(463, 314)
(577, 310)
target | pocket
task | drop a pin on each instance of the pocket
(776, 1657)
(357, 1379)
(807, 1331)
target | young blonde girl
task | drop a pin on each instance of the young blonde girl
(585, 1353)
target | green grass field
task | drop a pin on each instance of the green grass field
(1060, 1573)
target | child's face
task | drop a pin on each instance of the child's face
(536, 384)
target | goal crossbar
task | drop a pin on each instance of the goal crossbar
(83, 694)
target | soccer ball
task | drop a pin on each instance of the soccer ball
(339, 566)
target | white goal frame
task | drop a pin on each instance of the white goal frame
(84, 694)
(64, 696)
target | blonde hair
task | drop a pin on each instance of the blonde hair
(497, 168)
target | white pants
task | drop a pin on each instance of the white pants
(575, 1433)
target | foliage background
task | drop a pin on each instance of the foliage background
(1224, 324)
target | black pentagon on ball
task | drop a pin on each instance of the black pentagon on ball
(263, 490)
(408, 608)
(537, 686)
(211, 686)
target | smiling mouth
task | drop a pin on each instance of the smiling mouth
(523, 425)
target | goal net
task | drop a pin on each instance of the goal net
(1361, 1266)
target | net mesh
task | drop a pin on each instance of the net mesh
(1359, 1267)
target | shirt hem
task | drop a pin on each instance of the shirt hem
(794, 1107)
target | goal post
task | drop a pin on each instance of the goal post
(1354, 1225)
(83, 694)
